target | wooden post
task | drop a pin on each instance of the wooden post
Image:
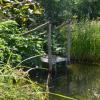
(49, 48)
(68, 49)
(49, 56)
(68, 36)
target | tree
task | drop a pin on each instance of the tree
(23, 11)
(89, 8)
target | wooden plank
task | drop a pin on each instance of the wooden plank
(49, 57)
(55, 59)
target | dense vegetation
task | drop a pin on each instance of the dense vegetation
(85, 41)
(15, 45)
(19, 16)
(15, 84)
(29, 13)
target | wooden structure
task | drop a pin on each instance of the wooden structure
(53, 59)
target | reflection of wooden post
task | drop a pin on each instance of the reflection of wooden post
(68, 36)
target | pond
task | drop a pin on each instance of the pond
(81, 82)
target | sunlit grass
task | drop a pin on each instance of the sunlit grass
(15, 85)
(85, 41)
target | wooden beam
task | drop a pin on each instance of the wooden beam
(42, 25)
(49, 57)
(38, 27)
(68, 36)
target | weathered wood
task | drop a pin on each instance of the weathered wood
(55, 59)
(38, 27)
(68, 36)
(49, 57)
(49, 48)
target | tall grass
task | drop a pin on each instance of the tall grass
(15, 85)
(85, 41)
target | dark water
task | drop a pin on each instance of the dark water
(81, 82)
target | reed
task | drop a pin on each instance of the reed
(85, 44)
(85, 41)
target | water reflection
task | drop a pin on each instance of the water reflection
(81, 81)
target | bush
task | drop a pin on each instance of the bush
(16, 46)
(7, 30)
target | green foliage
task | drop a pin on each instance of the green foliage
(7, 29)
(85, 41)
(88, 8)
(24, 12)
(57, 10)
(62, 97)
(31, 13)
(60, 10)
(14, 85)
(13, 44)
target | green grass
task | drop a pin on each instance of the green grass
(85, 41)
(15, 86)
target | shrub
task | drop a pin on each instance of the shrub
(15, 45)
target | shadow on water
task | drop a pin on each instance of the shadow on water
(81, 82)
